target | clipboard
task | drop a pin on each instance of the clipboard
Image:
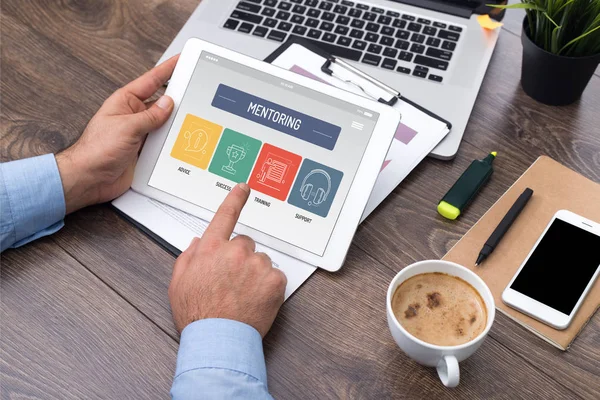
(332, 61)
(419, 132)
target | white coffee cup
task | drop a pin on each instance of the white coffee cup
(444, 358)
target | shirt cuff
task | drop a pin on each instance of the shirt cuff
(34, 197)
(222, 343)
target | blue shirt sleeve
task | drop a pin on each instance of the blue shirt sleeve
(220, 359)
(32, 201)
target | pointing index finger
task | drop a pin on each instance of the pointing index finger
(222, 225)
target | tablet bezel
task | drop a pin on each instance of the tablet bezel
(356, 198)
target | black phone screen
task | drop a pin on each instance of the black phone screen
(560, 267)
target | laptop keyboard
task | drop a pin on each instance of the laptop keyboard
(405, 43)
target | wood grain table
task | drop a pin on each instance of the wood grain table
(85, 313)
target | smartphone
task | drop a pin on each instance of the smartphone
(559, 271)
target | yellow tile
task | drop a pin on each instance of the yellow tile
(196, 141)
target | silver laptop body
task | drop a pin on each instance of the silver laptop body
(434, 58)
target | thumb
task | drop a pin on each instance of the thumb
(152, 118)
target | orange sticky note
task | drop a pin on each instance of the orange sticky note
(487, 23)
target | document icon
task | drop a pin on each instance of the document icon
(274, 171)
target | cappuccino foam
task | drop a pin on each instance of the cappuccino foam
(440, 309)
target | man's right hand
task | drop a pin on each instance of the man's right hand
(221, 278)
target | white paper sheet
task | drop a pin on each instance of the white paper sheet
(179, 228)
(417, 135)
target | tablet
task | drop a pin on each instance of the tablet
(310, 152)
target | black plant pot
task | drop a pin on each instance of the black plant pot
(552, 79)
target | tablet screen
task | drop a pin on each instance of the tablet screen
(297, 149)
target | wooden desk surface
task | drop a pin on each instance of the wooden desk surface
(85, 312)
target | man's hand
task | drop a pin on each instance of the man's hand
(100, 165)
(221, 278)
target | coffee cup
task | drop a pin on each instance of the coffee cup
(444, 358)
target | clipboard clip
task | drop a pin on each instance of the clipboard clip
(326, 68)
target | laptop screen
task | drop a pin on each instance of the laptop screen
(461, 8)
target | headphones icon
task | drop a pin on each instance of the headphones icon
(319, 195)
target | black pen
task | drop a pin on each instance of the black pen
(504, 225)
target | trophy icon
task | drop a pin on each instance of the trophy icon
(235, 153)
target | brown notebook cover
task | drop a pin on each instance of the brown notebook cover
(555, 187)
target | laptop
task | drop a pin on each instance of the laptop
(432, 51)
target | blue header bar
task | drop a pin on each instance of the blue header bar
(277, 117)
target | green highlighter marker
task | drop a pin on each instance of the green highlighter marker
(466, 187)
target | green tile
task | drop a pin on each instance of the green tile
(235, 156)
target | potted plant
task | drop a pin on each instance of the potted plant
(561, 48)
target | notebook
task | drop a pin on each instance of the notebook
(555, 187)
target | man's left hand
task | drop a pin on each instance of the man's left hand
(100, 165)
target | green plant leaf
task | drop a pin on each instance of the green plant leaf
(527, 6)
(547, 16)
(564, 5)
(577, 38)
(566, 27)
(554, 42)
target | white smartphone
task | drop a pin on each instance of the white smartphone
(559, 271)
